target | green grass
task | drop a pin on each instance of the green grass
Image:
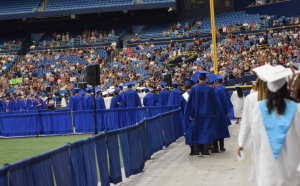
(16, 149)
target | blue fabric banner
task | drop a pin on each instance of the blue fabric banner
(114, 157)
(3, 176)
(126, 153)
(90, 170)
(61, 163)
(41, 170)
(19, 174)
(77, 163)
(102, 158)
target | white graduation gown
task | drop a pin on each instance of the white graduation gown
(283, 171)
(107, 102)
(237, 104)
(244, 138)
(252, 91)
(63, 102)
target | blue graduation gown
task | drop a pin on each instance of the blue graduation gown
(76, 102)
(15, 103)
(131, 99)
(88, 103)
(36, 103)
(44, 104)
(174, 98)
(120, 100)
(113, 103)
(163, 97)
(7, 105)
(187, 122)
(25, 105)
(100, 103)
(30, 104)
(150, 99)
(1, 106)
(227, 95)
(70, 102)
(202, 106)
(221, 120)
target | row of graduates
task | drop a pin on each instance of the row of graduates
(205, 106)
(32, 102)
(117, 98)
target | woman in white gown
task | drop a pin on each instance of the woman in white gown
(275, 133)
(237, 100)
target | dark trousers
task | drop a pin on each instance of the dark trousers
(216, 143)
(201, 148)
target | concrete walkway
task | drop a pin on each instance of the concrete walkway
(174, 167)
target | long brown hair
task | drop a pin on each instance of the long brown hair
(296, 88)
(261, 88)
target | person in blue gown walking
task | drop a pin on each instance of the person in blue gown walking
(120, 97)
(131, 97)
(202, 107)
(114, 100)
(88, 100)
(221, 86)
(220, 120)
(175, 95)
(188, 123)
(99, 100)
(76, 100)
(150, 99)
(164, 95)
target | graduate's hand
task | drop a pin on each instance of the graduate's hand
(118, 103)
(227, 115)
(192, 118)
(239, 149)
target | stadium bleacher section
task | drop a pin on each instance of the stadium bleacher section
(18, 6)
(55, 5)
(157, 1)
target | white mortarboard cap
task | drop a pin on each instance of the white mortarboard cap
(104, 93)
(253, 82)
(237, 85)
(110, 91)
(276, 77)
(138, 88)
(260, 71)
(111, 87)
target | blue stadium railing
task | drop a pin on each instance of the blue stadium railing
(76, 163)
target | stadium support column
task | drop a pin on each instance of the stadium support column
(213, 35)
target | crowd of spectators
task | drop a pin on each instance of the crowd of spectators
(146, 64)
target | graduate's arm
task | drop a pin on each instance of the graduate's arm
(244, 138)
(156, 98)
(225, 102)
(190, 108)
(138, 99)
(182, 104)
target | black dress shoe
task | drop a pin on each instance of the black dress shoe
(223, 150)
(192, 154)
(205, 154)
(215, 151)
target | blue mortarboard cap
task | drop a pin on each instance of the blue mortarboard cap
(219, 76)
(116, 90)
(174, 83)
(146, 89)
(200, 73)
(81, 92)
(32, 95)
(75, 90)
(25, 94)
(7, 95)
(19, 95)
(129, 84)
(121, 87)
(35, 95)
(212, 78)
(163, 84)
(14, 93)
(189, 81)
(97, 89)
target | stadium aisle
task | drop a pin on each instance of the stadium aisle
(174, 167)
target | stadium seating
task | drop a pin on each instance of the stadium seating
(18, 6)
(55, 5)
(158, 1)
(9, 65)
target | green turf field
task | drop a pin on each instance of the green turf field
(16, 149)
